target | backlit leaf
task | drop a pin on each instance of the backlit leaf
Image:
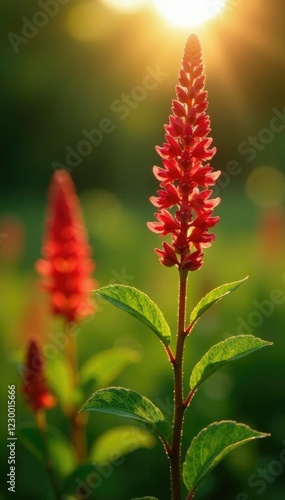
(213, 297)
(139, 305)
(129, 404)
(211, 445)
(225, 352)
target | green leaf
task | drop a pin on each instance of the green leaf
(211, 445)
(118, 442)
(139, 305)
(213, 297)
(105, 366)
(59, 375)
(222, 353)
(129, 404)
(60, 450)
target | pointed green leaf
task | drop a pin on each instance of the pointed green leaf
(129, 404)
(60, 450)
(213, 297)
(105, 366)
(119, 441)
(222, 353)
(139, 305)
(211, 445)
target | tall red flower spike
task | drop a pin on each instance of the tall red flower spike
(67, 263)
(184, 200)
(35, 386)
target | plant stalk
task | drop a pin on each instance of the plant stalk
(191, 495)
(77, 420)
(41, 424)
(179, 408)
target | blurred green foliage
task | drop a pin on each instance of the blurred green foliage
(57, 86)
(249, 390)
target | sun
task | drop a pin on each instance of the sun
(187, 13)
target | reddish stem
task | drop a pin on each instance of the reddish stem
(191, 495)
(175, 459)
(190, 328)
(189, 398)
(170, 354)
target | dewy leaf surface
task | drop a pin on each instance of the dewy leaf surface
(223, 353)
(213, 297)
(139, 305)
(129, 404)
(211, 445)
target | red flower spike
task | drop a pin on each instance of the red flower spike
(35, 387)
(67, 265)
(186, 176)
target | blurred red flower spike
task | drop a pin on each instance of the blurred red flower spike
(35, 388)
(66, 265)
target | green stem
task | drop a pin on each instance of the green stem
(41, 424)
(179, 408)
(77, 420)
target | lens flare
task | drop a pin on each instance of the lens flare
(187, 13)
(89, 22)
(265, 186)
(125, 5)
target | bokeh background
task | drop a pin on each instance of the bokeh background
(73, 75)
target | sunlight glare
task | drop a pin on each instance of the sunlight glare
(89, 22)
(125, 5)
(187, 13)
